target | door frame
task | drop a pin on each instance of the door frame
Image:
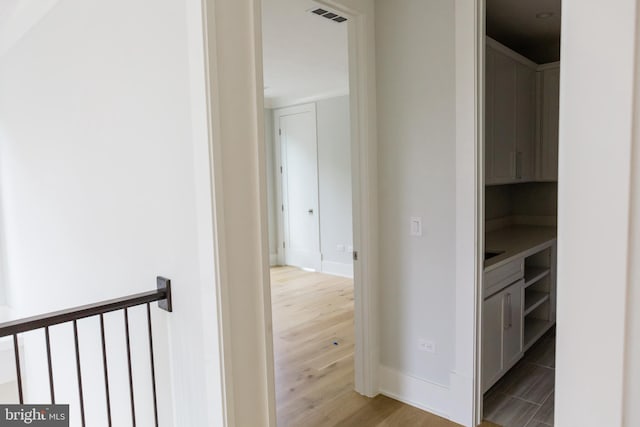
(364, 181)
(480, 193)
(282, 213)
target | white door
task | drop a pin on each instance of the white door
(299, 154)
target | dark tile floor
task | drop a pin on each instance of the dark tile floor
(524, 396)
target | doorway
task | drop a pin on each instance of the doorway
(308, 135)
(520, 200)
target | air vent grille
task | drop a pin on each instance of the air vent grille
(329, 15)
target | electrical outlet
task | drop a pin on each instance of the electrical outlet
(426, 345)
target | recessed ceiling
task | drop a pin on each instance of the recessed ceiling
(304, 54)
(526, 27)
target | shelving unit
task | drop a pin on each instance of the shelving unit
(539, 296)
(533, 274)
(534, 299)
(533, 330)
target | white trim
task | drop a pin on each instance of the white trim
(293, 109)
(273, 259)
(281, 102)
(338, 269)
(364, 173)
(510, 53)
(364, 162)
(428, 396)
(232, 30)
(466, 396)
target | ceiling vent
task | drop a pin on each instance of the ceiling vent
(329, 15)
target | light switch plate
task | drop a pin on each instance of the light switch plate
(416, 226)
(426, 345)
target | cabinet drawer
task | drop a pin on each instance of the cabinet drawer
(500, 277)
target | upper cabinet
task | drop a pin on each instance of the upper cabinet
(520, 132)
(549, 118)
(525, 123)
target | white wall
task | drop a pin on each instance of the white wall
(105, 184)
(596, 123)
(18, 17)
(334, 173)
(3, 263)
(415, 70)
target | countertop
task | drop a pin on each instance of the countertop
(517, 241)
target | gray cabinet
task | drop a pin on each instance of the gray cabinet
(501, 332)
(512, 325)
(491, 340)
(501, 143)
(525, 123)
(519, 300)
(549, 118)
(510, 116)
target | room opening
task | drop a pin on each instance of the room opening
(308, 147)
(522, 82)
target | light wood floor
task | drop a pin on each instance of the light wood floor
(314, 343)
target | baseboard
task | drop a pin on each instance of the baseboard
(273, 259)
(425, 395)
(337, 269)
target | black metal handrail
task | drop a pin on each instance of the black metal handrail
(12, 328)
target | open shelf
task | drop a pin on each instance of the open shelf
(533, 299)
(534, 329)
(534, 274)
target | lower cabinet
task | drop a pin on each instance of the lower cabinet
(512, 325)
(502, 332)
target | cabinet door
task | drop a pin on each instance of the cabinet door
(525, 122)
(550, 119)
(512, 324)
(488, 115)
(492, 340)
(501, 160)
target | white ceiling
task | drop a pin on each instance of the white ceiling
(305, 55)
(514, 24)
